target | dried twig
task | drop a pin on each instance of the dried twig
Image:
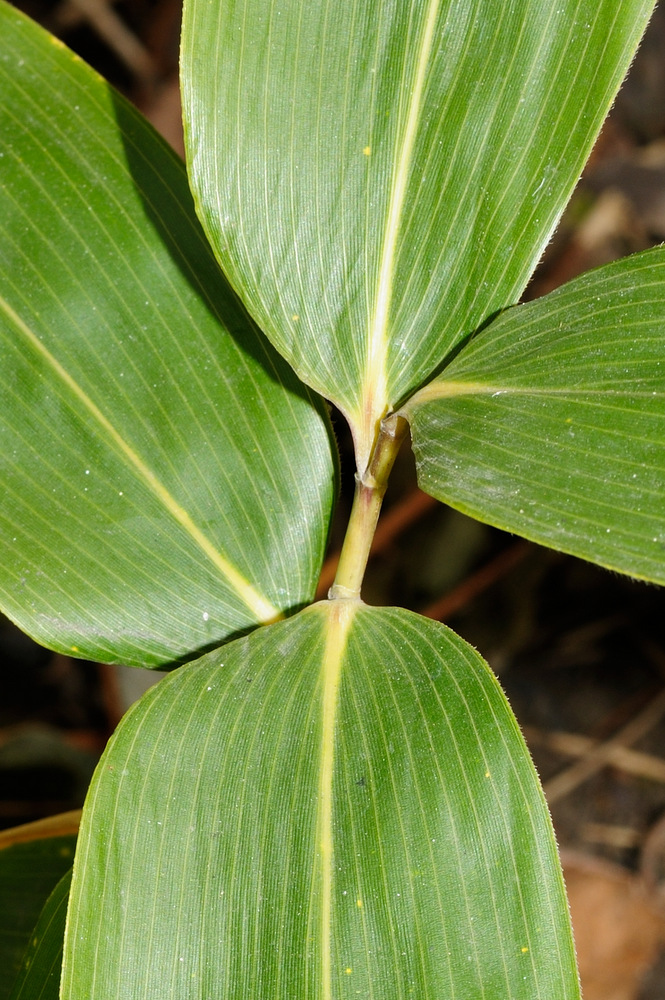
(488, 574)
(621, 837)
(641, 765)
(598, 756)
(114, 32)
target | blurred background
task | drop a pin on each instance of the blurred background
(579, 651)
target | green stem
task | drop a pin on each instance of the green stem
(370, 490)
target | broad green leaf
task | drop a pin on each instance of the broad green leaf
(378, 179)
(335, 806)
(28, 874)
(39, 978)
(551, 422)
(166, 481)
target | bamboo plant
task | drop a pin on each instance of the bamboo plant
(325, 800)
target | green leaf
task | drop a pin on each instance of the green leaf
(39, 978)
(551, 422)
(166, 481)
(336, 806)
(377, 179)
(28, 874)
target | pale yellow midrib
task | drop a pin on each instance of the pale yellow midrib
(340, 618)
(446, 390)
(378, 336)
(257, 604)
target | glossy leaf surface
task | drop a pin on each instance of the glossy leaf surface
(39, 978)
(378, 179)
(551, 422)
(335, 806)
(28, 874)
(166, 481)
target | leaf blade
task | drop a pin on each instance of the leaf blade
(550, 423)
(377, 183)
(39, 978)
(28, 874)
(346, 805)
(154, 448)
